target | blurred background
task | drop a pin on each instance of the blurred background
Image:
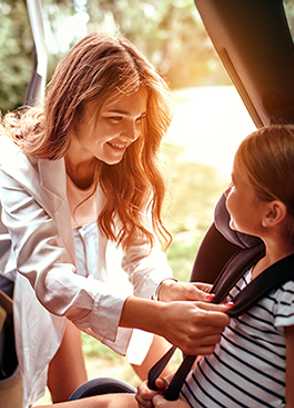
(209, 117)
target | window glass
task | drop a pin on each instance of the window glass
(289, 9)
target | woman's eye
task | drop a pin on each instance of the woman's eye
(115, 119)
(140, 120)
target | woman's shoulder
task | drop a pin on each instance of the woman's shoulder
(14, 162)
(9, 151)
(8, 147)
(17, 132)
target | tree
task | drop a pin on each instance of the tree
(169, 32)
(15, 53)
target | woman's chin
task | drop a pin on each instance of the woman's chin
(111, 161)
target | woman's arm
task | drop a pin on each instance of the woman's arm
(289, 335)
(195, 327)
(100, 401)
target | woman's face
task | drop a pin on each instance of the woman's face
(106, 134)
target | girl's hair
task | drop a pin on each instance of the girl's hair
(97, 67)
(267, 157)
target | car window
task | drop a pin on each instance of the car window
(289, 10)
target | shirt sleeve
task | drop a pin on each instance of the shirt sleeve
(146, 268)
(40, 257)
(146, 265)
(284, 308)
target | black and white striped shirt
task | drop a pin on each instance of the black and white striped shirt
(247, 368)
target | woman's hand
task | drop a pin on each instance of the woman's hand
(144, 395)
(194, 327)
(170, 290)
(160, 402)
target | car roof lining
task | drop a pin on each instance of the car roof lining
(255, 45)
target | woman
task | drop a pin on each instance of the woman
(81, 199)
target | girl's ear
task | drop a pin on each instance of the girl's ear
(275, 213)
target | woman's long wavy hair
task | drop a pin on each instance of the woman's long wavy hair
(96, 68)
(267, 158)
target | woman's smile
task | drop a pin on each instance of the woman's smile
(117, 146)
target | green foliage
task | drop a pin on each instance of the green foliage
(15, 53)
(93, 348)
(192, 191)
(167, 32)
(181, 255)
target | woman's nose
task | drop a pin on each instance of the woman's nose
(131, 132)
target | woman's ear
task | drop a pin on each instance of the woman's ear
(275, 213)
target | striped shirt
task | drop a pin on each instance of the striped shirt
(247, 368)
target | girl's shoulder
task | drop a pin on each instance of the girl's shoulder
(283, 298)
(286, 290)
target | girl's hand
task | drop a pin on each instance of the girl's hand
(144, 395)
(195, 327)
(160, 402)
(170, 290)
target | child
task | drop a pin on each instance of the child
(253, 364)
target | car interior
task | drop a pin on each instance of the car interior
(254, 42)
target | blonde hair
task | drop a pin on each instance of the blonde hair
(97, 67)
(267, 157)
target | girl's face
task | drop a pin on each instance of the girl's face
(106, 134)
(245, 208)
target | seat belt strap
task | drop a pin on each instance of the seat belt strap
(272, 278)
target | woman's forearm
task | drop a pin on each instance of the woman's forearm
(195, 327)
(142, 314)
